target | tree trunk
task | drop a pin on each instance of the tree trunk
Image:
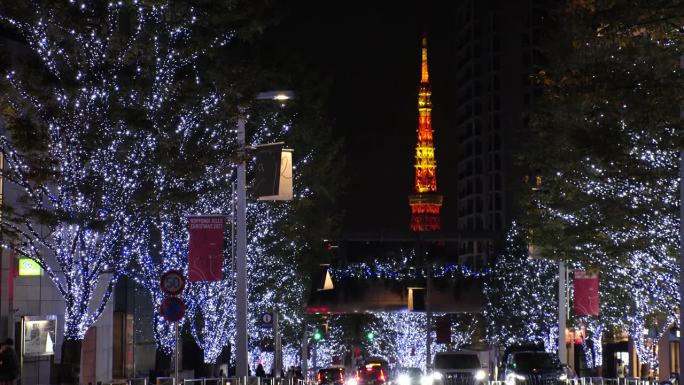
(210, 370)
(162, 364)
(70, 368)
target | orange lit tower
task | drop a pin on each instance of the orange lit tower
(425, 202)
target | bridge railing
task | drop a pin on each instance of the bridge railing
(596, 381)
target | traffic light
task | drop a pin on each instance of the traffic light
(370, 335)
(320, 332)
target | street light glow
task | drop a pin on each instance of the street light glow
(281, 97)
(275, 95)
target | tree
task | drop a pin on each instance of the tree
(101, 92)
(521, 297)
(189, 106)
(72, 154)
(605, 139)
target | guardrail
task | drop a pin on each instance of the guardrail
(597, 381)
(214, 381)
(614, 381)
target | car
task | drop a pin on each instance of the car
(331, 376)
(407, 376)
(461, 367)
(534, 368)
(372, 373)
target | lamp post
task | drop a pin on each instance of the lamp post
(681, 261)
(241, 340)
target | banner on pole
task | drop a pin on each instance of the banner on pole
(267, 169)
(205, 252)
(586, 293)
(283, 188)
(443, 333)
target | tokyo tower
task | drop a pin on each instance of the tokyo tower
(425, 202)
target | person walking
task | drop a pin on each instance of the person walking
(9, 364)
(260, 372)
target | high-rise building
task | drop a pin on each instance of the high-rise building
(497, 49)
(425, 202)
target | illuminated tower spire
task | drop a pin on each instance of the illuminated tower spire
(425, 202)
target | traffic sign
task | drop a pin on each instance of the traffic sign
(172, 282)
(266, 320)
(172, 309)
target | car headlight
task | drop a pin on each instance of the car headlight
(352, 381)
(480, 375)
(426, 380)
(512, 377)
(437, 376)
(403, 380)
(563, 377)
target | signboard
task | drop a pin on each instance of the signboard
(28, 267)
(284, 191)
(205, 254)
(172, 309)
(443, 331)
(172, 282)
(586, 299)
(40, 335)
(267, 169)
(266, 320)
(416, 299)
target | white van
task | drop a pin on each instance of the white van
(462, 367)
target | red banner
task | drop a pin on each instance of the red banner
(586, 293)
(443, 331)
(205, 252)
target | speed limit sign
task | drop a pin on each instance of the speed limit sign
(172, 282)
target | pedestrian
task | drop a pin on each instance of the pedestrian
(298, 373)
(221, 375)
(260, 372)
(9, 364)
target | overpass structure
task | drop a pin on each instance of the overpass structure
(415, 271)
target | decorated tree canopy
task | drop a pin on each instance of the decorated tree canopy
(521, 296)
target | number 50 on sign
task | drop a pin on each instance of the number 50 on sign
(172, 282)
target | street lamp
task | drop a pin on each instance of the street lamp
(241, 341)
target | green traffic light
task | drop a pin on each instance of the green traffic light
(370, 336)
(317, 335)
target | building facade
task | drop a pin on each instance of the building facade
(497, 49)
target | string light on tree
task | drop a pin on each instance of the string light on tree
(521, 301)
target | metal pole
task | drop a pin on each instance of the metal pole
(562, 349)
(305, 353)
(428, 321)
(428, 307)
(276, 342)
(315, 360)
(681, 264)
(241, 310)
(176, 348)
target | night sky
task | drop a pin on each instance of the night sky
(370, 52)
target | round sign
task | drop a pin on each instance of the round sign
(172, 282)
(267, 318)
(172, 309)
